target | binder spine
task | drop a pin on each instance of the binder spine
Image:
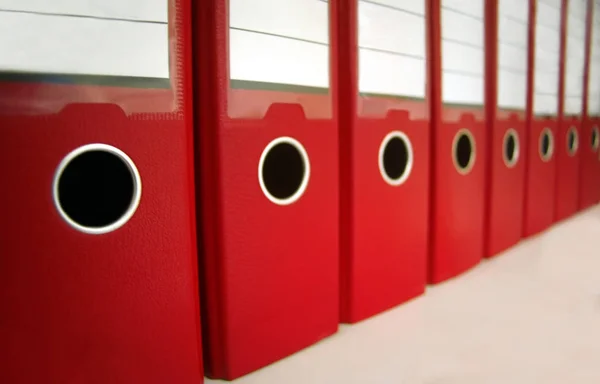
(564, 17)
(491, 102)
(434, 40)
(529, 113)
(346, 93)
(210, 106)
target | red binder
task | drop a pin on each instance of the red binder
(384, 142)
(98, 269)
(269, 179)
(571, 93)
(506, 100)
(542, 119)
(459, 136)
(589, 186)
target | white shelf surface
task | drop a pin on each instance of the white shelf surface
(530, 315)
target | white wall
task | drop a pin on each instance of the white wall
(513, 18)
(93, 37)
(392, 47)
(547, 57)
(575, 57)
(279, 41)
(462, 52)
(594, 76)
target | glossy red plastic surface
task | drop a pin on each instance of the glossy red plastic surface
(589, 175)
(460, 201)
(386, 244)
(504, 181)
(115, 308)
(270, 272)
(383, 227)
(589, 187)
(567, 170)
(540, 180)
(507, 189)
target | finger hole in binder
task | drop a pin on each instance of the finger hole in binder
(284, 170)
(96, 188)
(595, 138)
(572, 141)
(395, 158)
(463, 151)
(511, 150)
(546, 145)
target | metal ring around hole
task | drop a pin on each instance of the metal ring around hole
(511, 132)
(303, 184)
(464, 132)
(548, 156)
(596, 141)
(409, 162)
(572, 151)
(135, 200)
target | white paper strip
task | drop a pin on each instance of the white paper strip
(392, 47)
(52, 44)
(417, 7)
(512, 53)
(142, 10)
(547, 57)
(279, 41)
(575, 57)
(594, 76)
(462, 52)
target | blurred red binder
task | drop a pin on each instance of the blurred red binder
(384, 152)
(268, 164)
(542, 117)
(571, 104)
(589, 180)
(98, 269)
(459, 135)
(506, 100)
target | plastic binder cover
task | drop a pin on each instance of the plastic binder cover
(543, 127)
(98, 269)
(269, 173)
(460, 152)
(509, 79)
(570, 128)
(590, 141)
(385, 145)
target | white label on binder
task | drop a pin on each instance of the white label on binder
(575, 57)
(462, 52)
(547, 57)
(279, 41)
(513, 17)
(594, 75)
(140, 10)
(98, 38)
(392, 47)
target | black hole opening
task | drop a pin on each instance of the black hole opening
(395, 158)
(545, 144)
(510, 146)
(464, 151)
(595, 138)
(572, 141)
(95, 189)
(283, 171)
